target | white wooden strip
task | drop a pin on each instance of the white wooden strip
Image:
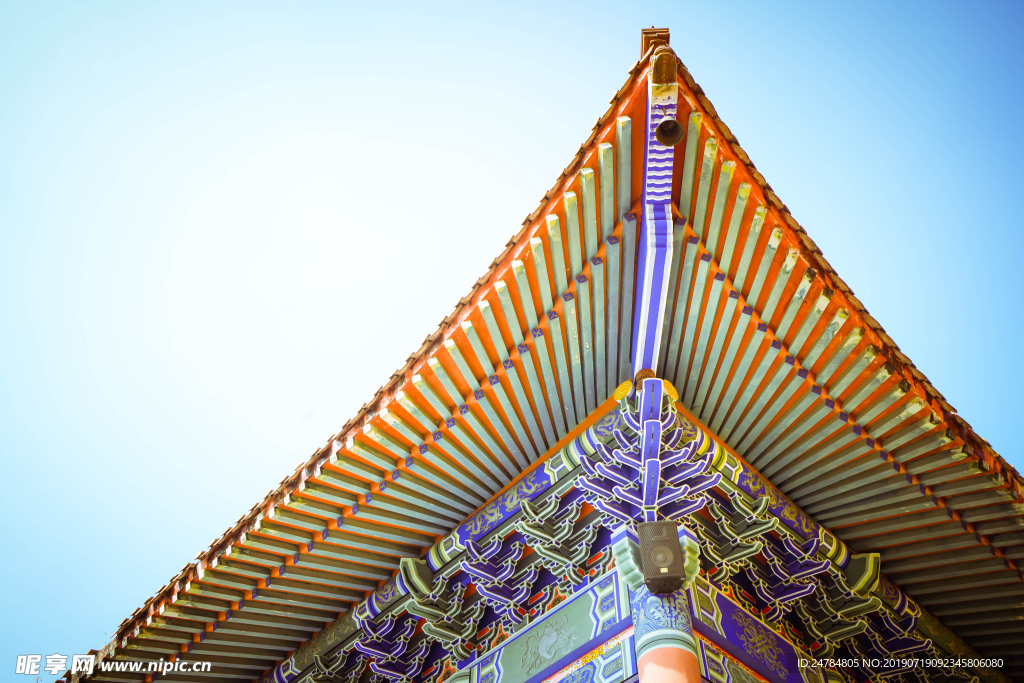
(606, 184)
(622, 166)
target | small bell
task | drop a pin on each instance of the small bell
(669, 132)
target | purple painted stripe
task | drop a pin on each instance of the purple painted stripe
(658, 291)
(654, 290)
(655, 243)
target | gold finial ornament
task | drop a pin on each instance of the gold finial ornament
(622, 391)
(670, 390)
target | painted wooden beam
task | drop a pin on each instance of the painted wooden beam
(600, 338)
(612, 302)
(558, 263)
(689, 165)
(623, 141)
(518, 390)
(627, 298)
(654, 255)
(551, 388)
(575, 354)
(691, 384)
(508, 310)
(700, 204)
(588, 202)
(730, 308)
(573, 241)
(678, 235)
(558, 349)
(732, 232)
(606, 185)
(493, 331)
(687, 258)
(540, 269)
(586, 323)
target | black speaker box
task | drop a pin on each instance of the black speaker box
(661, 558)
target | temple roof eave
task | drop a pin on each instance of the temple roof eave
(274, 523)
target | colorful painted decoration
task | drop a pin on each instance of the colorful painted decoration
(657, 471)
(440, 603)
(492, 566)
(550, 529)
(766, 595)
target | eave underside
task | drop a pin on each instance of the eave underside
(765, 344)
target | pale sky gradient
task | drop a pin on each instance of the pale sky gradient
(224, 225)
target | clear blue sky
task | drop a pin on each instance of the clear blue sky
(224, 225)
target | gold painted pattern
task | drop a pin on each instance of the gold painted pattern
(759, 643)
(508, 502)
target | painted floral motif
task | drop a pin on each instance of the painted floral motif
(890, 593)
(606, 604)
(759, 642)
(605, 427)
(584, 674)
(487, 673)
(656, 612)
(552, 639)
(387, 592)
(508, 503)
(689, 430)
(778, 503)
(326, 639)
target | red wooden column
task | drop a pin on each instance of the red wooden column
(666, 651)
